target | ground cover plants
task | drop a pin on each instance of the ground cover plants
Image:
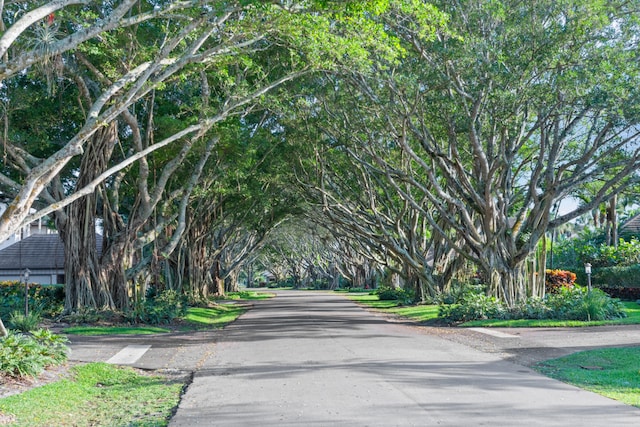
(29, 354)
(611, 372)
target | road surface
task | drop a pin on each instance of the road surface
(316, 359)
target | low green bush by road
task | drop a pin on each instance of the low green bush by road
(631, 310)
(566, 304)
(96, 394)
(611, 372)
(429, 314)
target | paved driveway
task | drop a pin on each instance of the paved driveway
(307, 359)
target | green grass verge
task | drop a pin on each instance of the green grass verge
(611, 372)
(97, 394)
(247, 296)
(197, 318)
(429, 313)
(420, 313)
(114, 330)
(217, 316)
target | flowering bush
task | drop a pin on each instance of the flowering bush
(558, 279)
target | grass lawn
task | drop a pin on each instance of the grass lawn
(114, 330)
(247, 295)
(611, 372)
(420, 313)
(217, 317)
(429, 313)
(96, 394)
(196, 318)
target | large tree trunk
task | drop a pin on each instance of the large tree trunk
(115, 260)
(83, 287)
(218, 280)
(509, 284)
(231, 283)
(612, 222)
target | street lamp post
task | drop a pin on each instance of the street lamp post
(587, 269)
(26, 274)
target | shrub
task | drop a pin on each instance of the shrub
(387, 293)
(574, 303)
(625, 294)
(579, 304)
(618, 276)
(161, 308)
(556, 279)
(92, 315)
(590, 247)
(24, 355)
(472, 307)
(23, 323)
(54, 346)
(625, 253)
(532, 308)
(47, 299)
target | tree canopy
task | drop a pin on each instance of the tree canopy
(433, 139)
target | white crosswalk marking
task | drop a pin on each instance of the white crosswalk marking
(129, 354)
(493, 333)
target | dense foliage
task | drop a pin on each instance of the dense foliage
(387, 293)
(417, 134)
(28, 355)
(568, 303)
(43, 299)
(614, 267)
(158, 308)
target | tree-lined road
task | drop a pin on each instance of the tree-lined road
(319, 359)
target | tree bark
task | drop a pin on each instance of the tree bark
(3, 330)
(83, 287)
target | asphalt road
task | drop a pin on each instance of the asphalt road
(305, 359)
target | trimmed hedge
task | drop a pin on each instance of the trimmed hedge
(617, 277)
(627, 294)
(619, 281)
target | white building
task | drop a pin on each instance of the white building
(37, 227)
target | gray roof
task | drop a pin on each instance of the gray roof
(36, 252)
(632, 226)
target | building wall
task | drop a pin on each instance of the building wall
(43, 277)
